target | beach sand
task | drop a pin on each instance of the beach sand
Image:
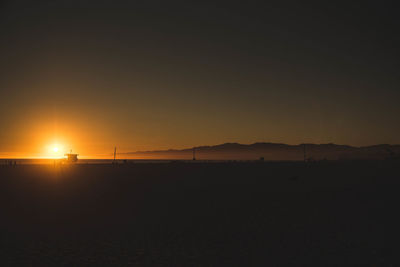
(201, 214)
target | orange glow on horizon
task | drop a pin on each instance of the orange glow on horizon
(55, 151)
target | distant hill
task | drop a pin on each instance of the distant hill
(272, 151)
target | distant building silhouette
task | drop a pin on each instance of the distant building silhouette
(71, 158)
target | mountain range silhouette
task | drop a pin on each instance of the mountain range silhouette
(274, 151)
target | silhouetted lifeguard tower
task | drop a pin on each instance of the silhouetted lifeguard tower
(71, 158)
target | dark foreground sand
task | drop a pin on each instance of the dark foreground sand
(182, 214)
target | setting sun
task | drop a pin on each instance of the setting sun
(55, 151)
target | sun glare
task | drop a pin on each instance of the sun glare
(55, 151)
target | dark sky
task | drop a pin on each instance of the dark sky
(159, 74)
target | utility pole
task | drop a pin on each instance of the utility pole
(194, 154)
(115, 153)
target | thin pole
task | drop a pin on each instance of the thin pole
(194, 154)
(115, 152)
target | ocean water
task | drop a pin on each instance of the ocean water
(80, 161)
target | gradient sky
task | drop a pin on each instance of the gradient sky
(90, 75)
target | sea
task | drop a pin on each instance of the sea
(41, 161)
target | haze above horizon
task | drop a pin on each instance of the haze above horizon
(91, 75)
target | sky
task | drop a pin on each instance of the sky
(144, 75)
